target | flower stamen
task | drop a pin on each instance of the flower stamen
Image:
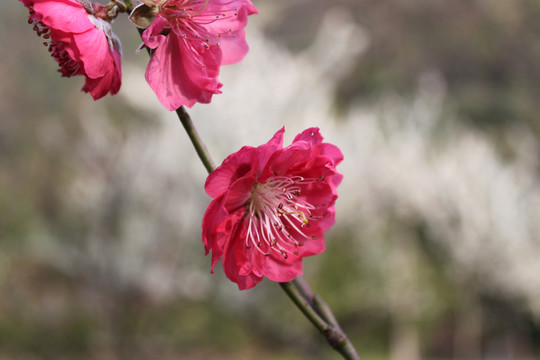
(278, 215)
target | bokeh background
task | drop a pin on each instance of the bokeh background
(435, 252)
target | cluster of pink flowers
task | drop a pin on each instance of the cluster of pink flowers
(271, 205)
(190, 40)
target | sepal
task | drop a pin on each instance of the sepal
(87, 4)
(143, 15)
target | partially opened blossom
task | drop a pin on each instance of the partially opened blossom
(271, 207)
(80, 42)
(191, 39)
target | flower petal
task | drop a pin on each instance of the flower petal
(65, 15)
(95, 52)
(180, 75)
(81, 43)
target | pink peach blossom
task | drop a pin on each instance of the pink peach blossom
(81, 43)
(271, 207)
(191, 39)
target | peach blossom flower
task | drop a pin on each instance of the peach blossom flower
(81, 43)
(191, 39)
(271, 207)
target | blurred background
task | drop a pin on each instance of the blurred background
(435, 252)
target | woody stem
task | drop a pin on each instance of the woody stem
(321, 316)
(198, 144)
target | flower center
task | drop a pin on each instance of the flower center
(279, 216)
(188, 19)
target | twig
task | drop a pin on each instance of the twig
(331, 330)
(199, 146)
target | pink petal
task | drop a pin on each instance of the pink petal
(232, 38)
(284, 159)
(65, 15)
(233, 259)
(245, 160)
(330, 151)
(213, 215)
(234, 166)
(279, 272)
(94, 52)
(265, 151)
(151, 36)
(234, 49)
(192, 79)
(230, 23)
(238, 193)
(311, 135)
